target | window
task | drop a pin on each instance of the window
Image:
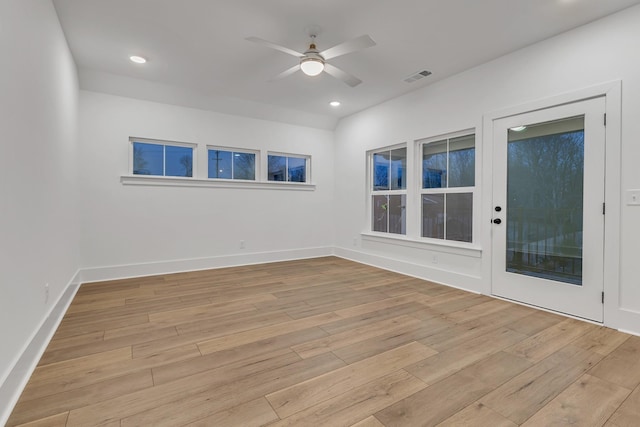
(287, 168)
(158, 158)
(224, 164)
(448, 180)
(389, 190)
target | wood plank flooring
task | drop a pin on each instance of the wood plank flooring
(323, 342)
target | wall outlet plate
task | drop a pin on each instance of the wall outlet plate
(633, 197)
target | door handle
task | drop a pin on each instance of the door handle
(497, 221)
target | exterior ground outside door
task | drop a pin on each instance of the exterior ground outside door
(548, 201)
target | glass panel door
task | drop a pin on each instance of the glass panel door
(547, 221)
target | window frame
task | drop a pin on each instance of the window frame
(371, 191)
(232, 150)
(305, 157)
(164, 143)
(473, 190)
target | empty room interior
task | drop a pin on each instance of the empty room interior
(320, 213)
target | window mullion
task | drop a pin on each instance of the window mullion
(164, 160)
(444, 208)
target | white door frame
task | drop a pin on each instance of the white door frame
(612, 91)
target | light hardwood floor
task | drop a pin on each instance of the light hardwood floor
(323, 342)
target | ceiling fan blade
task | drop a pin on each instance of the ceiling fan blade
(286, 73)
(275, 46)
(352, 45)
(342, 75)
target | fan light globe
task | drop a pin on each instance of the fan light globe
(137, 59)
(311, 66)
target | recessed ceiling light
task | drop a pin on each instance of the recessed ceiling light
(137, 59)
(335, 103)
(518, 128)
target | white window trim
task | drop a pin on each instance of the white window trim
(170, 181)
(446, 246)
(194, 154)
(265, 167)
(475, 223)
(371, 192)
(236, 150)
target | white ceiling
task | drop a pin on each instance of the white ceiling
(199, 46)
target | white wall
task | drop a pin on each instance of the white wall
(603, 51)
(124, 226)
(39, 225)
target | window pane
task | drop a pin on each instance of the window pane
(397, 217)
(462, 160)
(244, 166)
(148, 159)
(434, 164)
(433, 216)
(398, 169)
(277, 168)
(178, 161)
(219, 164)
(297, 169)
(381, 171)
(380, 210)
(459, 216)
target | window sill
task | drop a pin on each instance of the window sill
(170, 181)
(462, 249)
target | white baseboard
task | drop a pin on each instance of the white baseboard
(15, 382)
(425, 272)
(97, 274)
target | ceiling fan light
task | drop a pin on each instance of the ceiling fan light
(311, 66)
(137, 59)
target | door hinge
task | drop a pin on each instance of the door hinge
(605, 119)
(603, 297)
(603, 208)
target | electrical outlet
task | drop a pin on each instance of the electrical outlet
(355, 241)
(633, 197)
(46, 293)
(241, 244)
(434, 259)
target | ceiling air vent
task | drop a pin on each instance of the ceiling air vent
(417, 76)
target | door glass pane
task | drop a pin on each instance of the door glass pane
(545, 175)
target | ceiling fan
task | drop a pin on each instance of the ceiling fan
(314, 62)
